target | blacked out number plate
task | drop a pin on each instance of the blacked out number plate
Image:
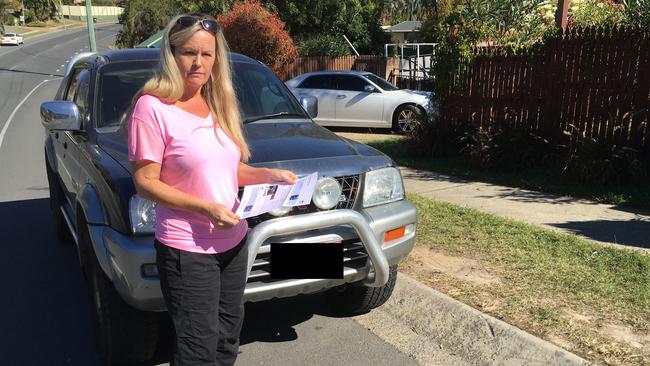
(306, 260)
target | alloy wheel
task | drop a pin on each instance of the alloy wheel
(406, 120)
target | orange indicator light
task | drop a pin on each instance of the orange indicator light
(394, 234)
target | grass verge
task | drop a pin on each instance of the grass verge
(588, 298)
(546, 180)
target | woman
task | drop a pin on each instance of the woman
(187, 148)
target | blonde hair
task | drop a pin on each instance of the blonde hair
(167, 83)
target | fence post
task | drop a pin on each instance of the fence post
(561, 14)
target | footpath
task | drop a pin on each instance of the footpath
(616, 225)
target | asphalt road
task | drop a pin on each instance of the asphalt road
(45, 308)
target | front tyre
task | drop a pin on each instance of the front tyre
(407, 118)
(359, 299)
(124, 335)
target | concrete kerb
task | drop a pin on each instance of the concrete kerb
(437, 330)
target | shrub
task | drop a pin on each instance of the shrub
(30, 16)
(595, 13)
(508, 149)
(593, 161)
(325, 45)
(253, 31)
(637, 13)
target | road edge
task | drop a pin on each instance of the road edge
(435, 329)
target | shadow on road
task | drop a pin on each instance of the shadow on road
(45, 307)
(274, 320)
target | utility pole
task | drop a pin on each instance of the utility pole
(22, 10)
(562, 14)
(63, 15)
(91, 25)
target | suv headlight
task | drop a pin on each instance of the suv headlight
(382, 186)
(143, 215)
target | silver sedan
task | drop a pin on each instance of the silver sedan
(361, 99)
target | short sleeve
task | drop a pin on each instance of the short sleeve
(146, 140)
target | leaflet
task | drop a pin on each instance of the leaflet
(262, 198)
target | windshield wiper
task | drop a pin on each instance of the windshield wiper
(273, 115)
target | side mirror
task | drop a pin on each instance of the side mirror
(60, 115)
(369, 88)
(310, 104)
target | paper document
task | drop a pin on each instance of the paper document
(262, 198)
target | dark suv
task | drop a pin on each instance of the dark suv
(94, 201)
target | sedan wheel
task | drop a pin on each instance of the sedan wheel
(407, 118)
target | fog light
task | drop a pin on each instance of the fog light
(150, 270)
(394, 234)
(326, 193)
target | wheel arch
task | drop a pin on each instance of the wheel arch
(91, 221)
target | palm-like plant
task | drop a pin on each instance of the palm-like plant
(396, 11)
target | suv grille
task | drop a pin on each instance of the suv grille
(349, 190)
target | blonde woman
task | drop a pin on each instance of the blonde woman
(188, 151)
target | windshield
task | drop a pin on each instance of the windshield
(258, 90)
(385, 85)
(261, 93)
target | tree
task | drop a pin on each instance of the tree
(10, 4)
(359, 20)
(212, 7)
(43, 9)
(143, 18)
(252, 30)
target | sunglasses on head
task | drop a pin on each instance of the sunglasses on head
(207, 24)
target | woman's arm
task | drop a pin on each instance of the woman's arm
(146, 176)
(248, 175)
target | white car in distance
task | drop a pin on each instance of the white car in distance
(11, 38)
(362, 99)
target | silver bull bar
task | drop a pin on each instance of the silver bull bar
(320, 220)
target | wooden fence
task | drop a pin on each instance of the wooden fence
(374, 64)
(592, 81)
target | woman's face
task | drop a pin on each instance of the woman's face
(195, 59)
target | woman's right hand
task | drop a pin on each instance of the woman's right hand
(221, 216)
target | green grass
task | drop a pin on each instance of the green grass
(543, 274)
(546, 180)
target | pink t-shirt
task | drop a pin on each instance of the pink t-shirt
(193, 160)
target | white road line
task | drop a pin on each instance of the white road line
(11, 116)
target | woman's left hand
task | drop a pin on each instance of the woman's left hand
(282, 175)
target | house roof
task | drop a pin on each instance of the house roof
(407, 26)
